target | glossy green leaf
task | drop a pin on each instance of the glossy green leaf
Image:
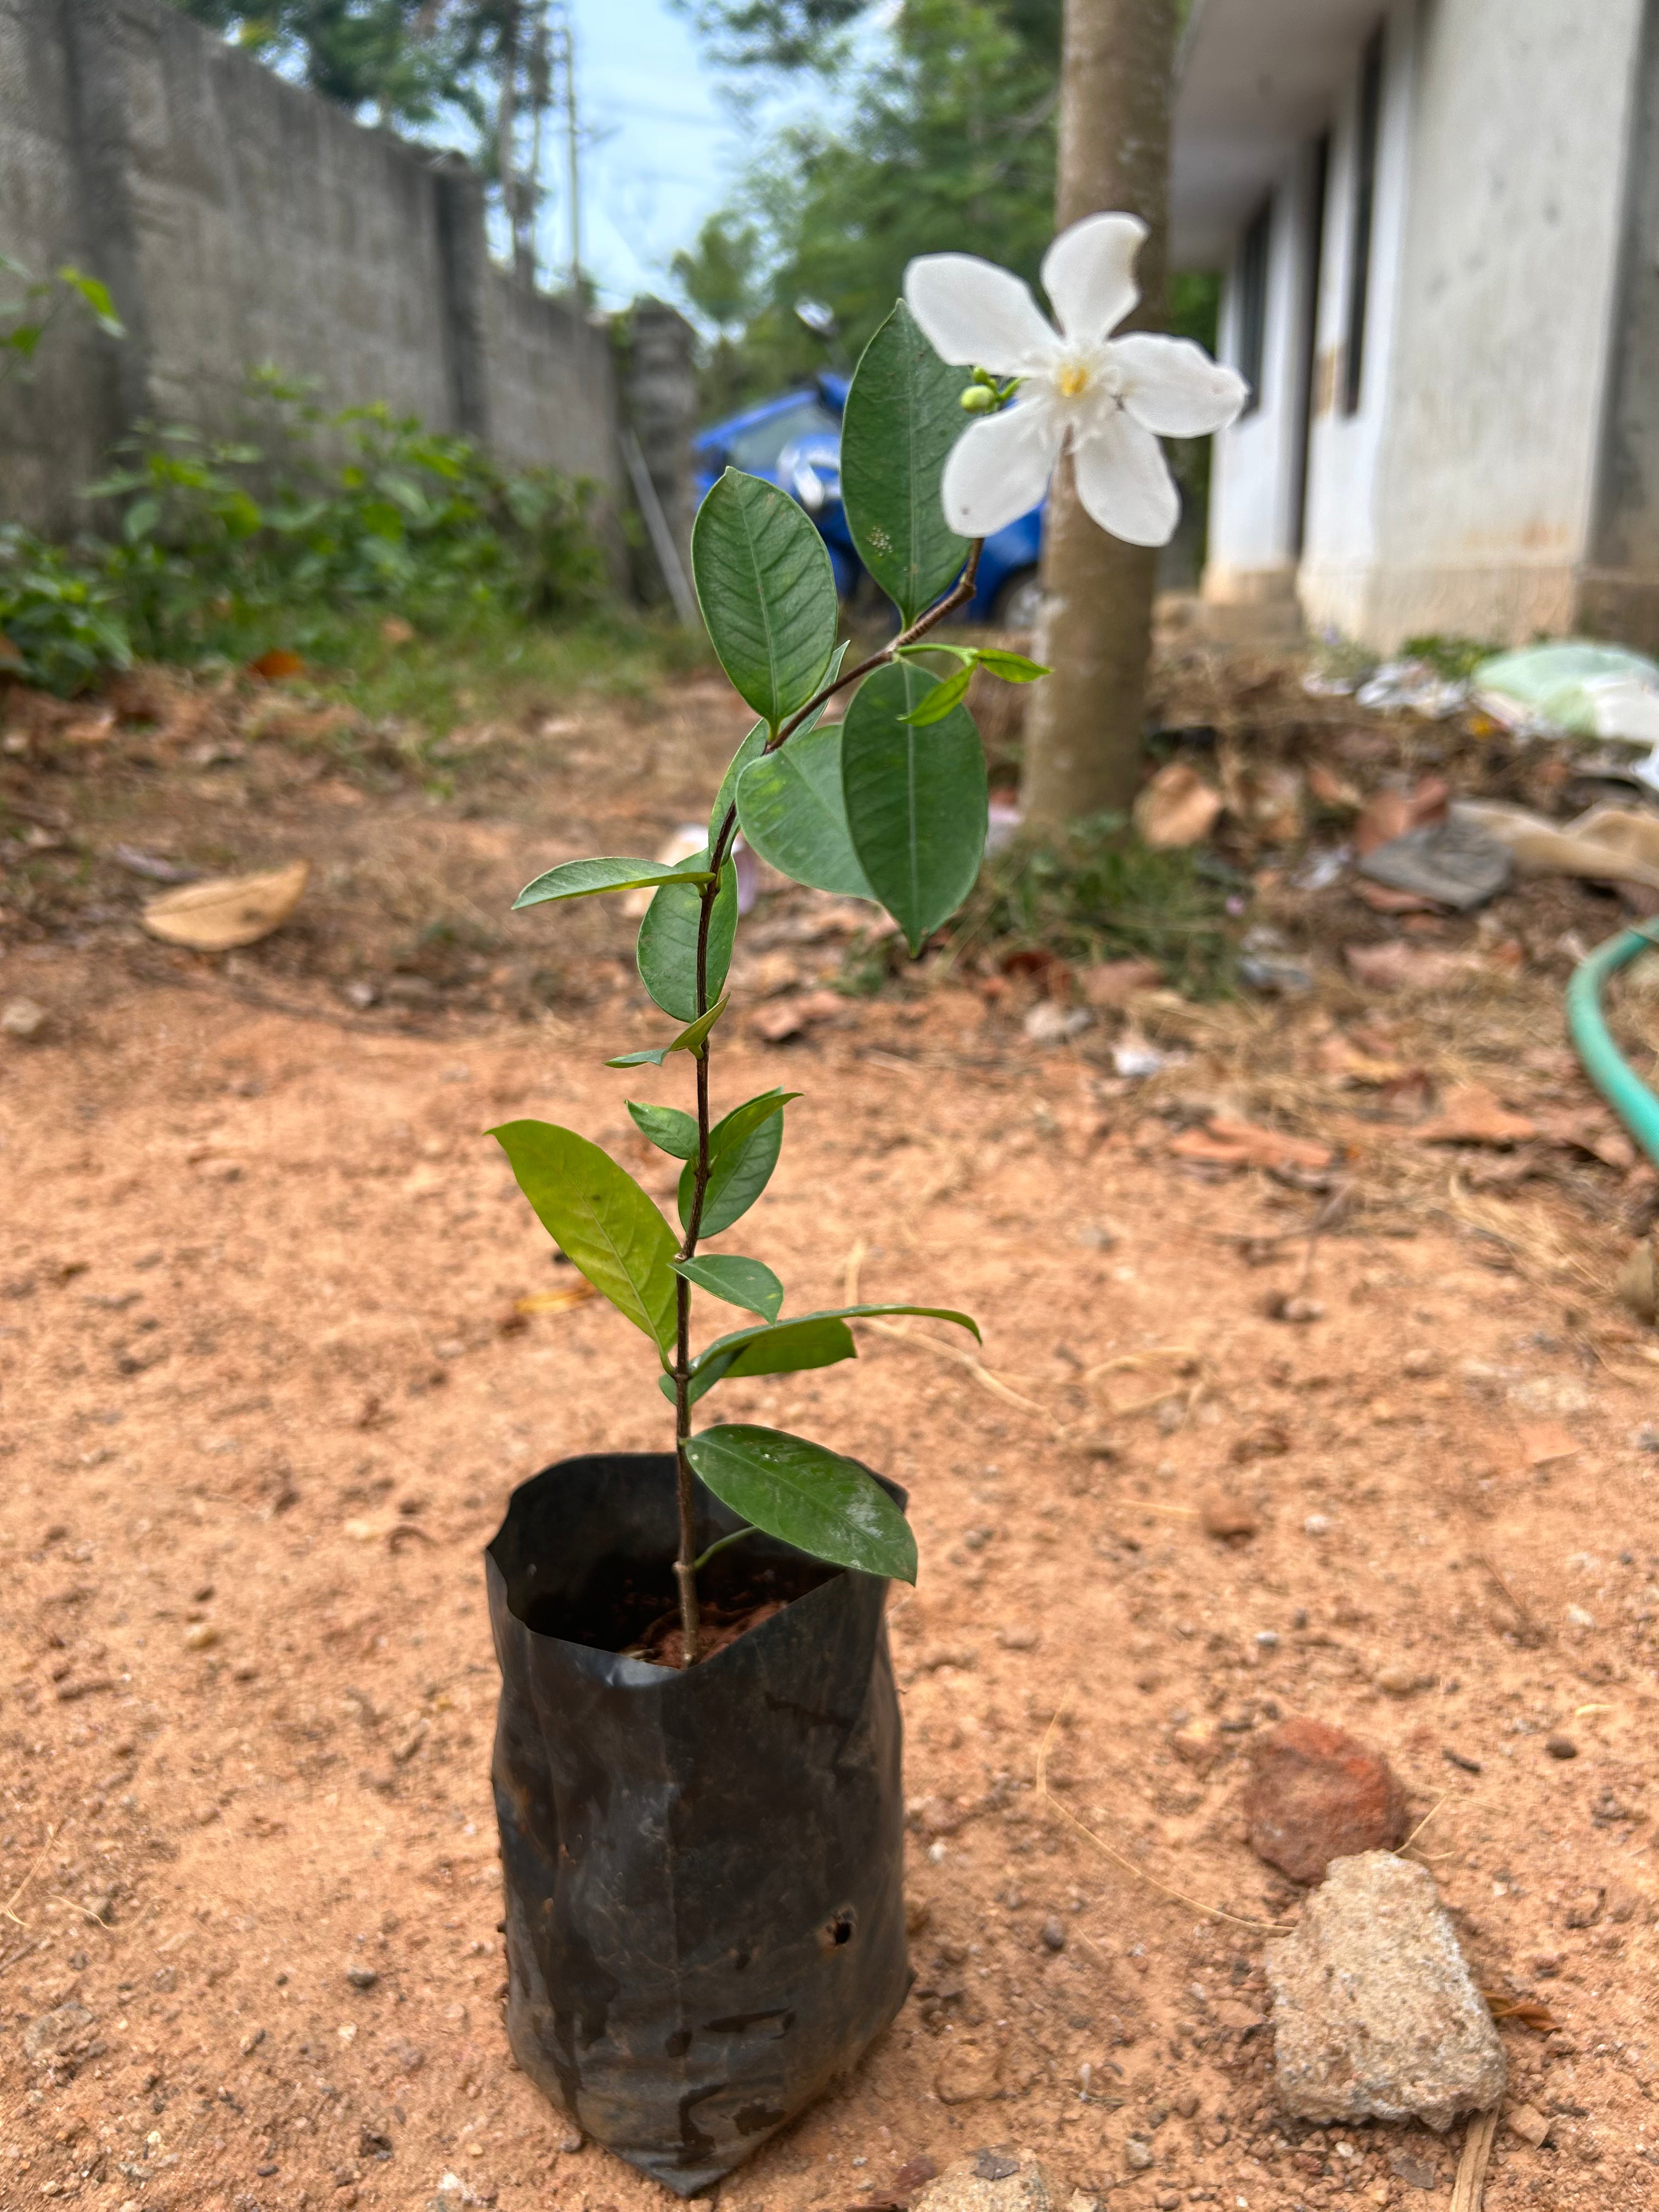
(745, 1283)
(916, 799)
(690, 1039)
(751, 749)
(807, 1340)
(667, 955)
(754, 745)
(743, 1151)
(767, 591)
(790, 805)
(582, 878)
(950, 691)
(826, 1506)
(668, 1129)
(1011, 667)
(600, 1219)
(903, 415)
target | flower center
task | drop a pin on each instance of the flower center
(1074, 379)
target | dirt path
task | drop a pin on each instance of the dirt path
(265, 1392)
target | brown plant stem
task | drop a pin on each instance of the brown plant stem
(684, 1565)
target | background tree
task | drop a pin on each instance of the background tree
(1083, 733)
(479, 72)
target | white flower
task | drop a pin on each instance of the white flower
(1113, 398)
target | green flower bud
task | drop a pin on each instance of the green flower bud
(978, 400)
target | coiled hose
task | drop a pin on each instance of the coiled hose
(1604, 1065)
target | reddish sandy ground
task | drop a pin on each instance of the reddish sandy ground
(261, 1414)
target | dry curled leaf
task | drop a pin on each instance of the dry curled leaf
(223, 912)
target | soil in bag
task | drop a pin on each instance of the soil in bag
(703, 1867)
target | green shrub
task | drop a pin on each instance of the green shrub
(224, 549)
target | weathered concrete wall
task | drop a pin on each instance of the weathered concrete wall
(1519, 151)
(239, 219)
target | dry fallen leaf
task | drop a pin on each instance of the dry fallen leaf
(560, 1301)
(223, 912)
(1470, 1114)
(1176, 808)
(1545, 1441)
(1400, 967)
(1226, 1144)
(276, 663)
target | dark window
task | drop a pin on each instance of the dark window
(1253, 303)
(1364, 196)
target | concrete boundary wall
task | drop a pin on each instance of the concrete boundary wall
(239, 219)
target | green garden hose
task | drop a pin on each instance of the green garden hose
(1604, 1065)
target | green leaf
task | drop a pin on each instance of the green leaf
(902, 418)
(582, 878)
(916, 799)
(824, 1505)
(689, 1040)
(600, 1218)
(805, 1340)
(754, 745)
(668, 1129)
(743, 1151)
(1011, 667)
(744, 1282)
(775, 1345)
(767, 591)
(950, 691)
(667, 955)
(751, 749)
(792, 811)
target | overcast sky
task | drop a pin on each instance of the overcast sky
(664, 148)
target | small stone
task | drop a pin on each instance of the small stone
(1020, 2185)
(1561, 1747)
(1187, 2104)
(55, 2032)
(1317, 1794)
(1415, 2173)
(23, 1019)
(1402, 1681)
(1054, 1934)
(1317, 1524)
(967, 2073)
(1137, 2156)
(1050, 1023)
(201, 1636)
(1018, 1639)
(1375, 2014)
(1223, 1514)
(1585, 1909)
(362, 1978)
(1530, 2124)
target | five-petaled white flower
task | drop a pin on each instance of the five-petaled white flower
(1113, 398)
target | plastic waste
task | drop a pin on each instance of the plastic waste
(1578, 688)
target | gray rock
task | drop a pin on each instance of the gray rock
(992, 2181)
(1374, 2014)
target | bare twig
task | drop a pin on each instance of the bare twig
(6, 1909)
(1468, 2193)
(1045, 1797)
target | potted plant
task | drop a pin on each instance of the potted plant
(696, 1766)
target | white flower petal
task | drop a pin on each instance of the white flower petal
(1172, 387)
(999, 468)
(1088, 274)
(1124, 482)
(977, 315)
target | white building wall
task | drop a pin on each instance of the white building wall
(1482, 503)
(1345, 451)
(1254, 468)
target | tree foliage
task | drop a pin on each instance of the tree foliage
(943, 140)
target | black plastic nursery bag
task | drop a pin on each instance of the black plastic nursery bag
(704, 1870)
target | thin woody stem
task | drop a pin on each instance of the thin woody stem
(686, 1565)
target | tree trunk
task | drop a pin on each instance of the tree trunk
(1083, 742)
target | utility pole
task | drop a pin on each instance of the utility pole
(1083, 732)
(565, 38)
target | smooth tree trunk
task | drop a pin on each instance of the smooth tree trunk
(1083, 730)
